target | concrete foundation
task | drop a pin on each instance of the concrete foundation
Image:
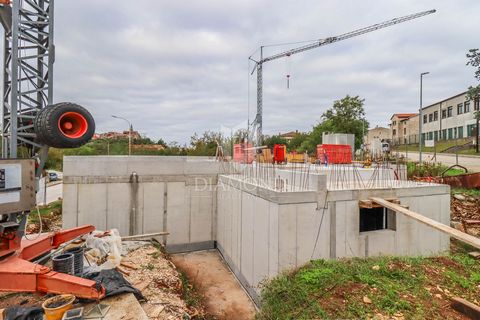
(138, 195)
(260, 231)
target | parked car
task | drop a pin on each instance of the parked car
(52, 176)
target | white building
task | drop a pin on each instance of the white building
(452, 118)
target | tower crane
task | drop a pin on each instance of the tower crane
(31, 123)
(258, 121)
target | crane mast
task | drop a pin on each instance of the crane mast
(28, 70)
(258, 121)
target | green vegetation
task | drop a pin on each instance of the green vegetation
(416, 288)
(345, 116)
(441, 146)
(55, 207)
(193, 298)
(431, 169)
(109, 147)
(469, 192)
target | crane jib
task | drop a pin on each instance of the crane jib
(315, 44)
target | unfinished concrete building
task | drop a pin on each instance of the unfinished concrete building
(262, 218)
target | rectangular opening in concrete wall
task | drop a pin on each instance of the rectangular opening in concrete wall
(377, 218)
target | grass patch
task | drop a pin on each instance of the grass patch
(440, 147)
(192, 297)
(360, 288)
(469, 192)
(55, 206)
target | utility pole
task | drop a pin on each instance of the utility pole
(420, 118)
(130, 129)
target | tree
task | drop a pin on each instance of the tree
(270, 141)
(206, 145)
(474, 91)
(162, 142)
(345, 116)
(240, 136)
(297, 141)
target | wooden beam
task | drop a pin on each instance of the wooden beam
(145, 236)
(369, 204)
(467, 308)
(471, 240)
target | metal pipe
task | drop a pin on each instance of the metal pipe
(420, 118)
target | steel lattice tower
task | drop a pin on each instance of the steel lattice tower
(28, 69)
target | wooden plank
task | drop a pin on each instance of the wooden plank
(474, 254)
(129, 265)
(467, 308)
(471, 240)
(369, 204)
(145, 236)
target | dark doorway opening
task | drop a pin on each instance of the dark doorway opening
(380, 218)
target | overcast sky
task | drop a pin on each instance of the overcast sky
(178, 67)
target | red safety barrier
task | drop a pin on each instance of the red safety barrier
(334, 153)
(243, 152)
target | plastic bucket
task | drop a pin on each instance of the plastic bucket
(56, 306)
(63, 263)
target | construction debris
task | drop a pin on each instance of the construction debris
(465, 212)
(151, 272)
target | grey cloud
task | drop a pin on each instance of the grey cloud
(176, 67)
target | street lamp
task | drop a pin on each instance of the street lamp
(129, 133)
(420, 118)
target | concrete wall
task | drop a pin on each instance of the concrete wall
(174, 194)
(259, 231)
(262, 232)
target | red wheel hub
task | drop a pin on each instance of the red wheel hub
(73, 125)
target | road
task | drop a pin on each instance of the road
(472, 163)
(53, 193)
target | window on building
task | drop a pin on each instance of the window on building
(430, 117)
(424, 118)
(444, 113)
(470, 128)
(394, 132)
(476, 104)
(435, 116)
(394, 123)
(460, 108)
(450, 134)
(435, 136)
(430, 135)
(466, 107)
(404, 131)
(460, 132)
(449, 111)
(444, 134)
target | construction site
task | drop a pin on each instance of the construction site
(250, 232)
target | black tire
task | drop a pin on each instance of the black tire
(49, 131)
